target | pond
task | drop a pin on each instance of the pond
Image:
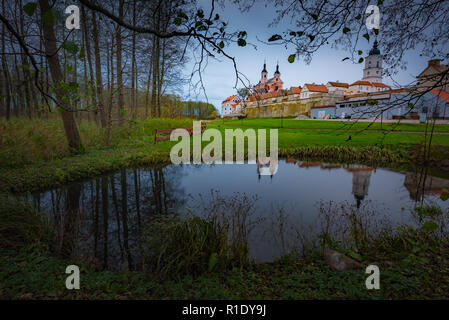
(102, 220)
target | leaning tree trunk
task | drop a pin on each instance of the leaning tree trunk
(71, 130)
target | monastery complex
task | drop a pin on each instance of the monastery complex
(368, 97)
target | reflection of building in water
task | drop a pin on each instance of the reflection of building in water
(330, 166)
(322, 165)
(267, 167)
(361, 176)
(308, 164)
(419, 185)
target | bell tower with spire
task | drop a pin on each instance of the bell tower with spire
(263, 78)
(266, 85)
(277, 74)
(373, 65)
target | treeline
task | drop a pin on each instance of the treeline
(173, 107)
(100, 72)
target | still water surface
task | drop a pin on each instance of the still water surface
(101, 220)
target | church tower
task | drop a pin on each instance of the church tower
(277, 74)
(264, 73)
(373, 65)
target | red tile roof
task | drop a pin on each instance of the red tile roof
(228, 98)
(328, 106)
(296, 90)
(255, 97)
(361, 82)
(316, 87)
(443, 95)
(338, 84)
(378, 84)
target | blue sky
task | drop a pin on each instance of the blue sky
(326, 65)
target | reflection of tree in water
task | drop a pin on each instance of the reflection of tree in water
(101, 221)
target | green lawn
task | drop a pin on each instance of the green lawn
(304, 136)
(290, 123)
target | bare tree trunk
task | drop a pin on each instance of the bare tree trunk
(121, 103)
(86, 87)
(19, 89)
(89, 59)
(6, 79)
(161, 76)
(75, 79)
(154, 85)
(133, 67)
(147, 92)
(111, 94)
(136, 95)
(99, 78)
(71, 130)
(25, 67)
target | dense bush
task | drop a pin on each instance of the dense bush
(192, 246)
(21, 225)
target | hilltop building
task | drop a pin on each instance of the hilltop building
(368, 97)
(312, 90)
(373, 65)
(434, 74)
(230, 105)
(273, 84)
(336, 87)
(366, 86)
